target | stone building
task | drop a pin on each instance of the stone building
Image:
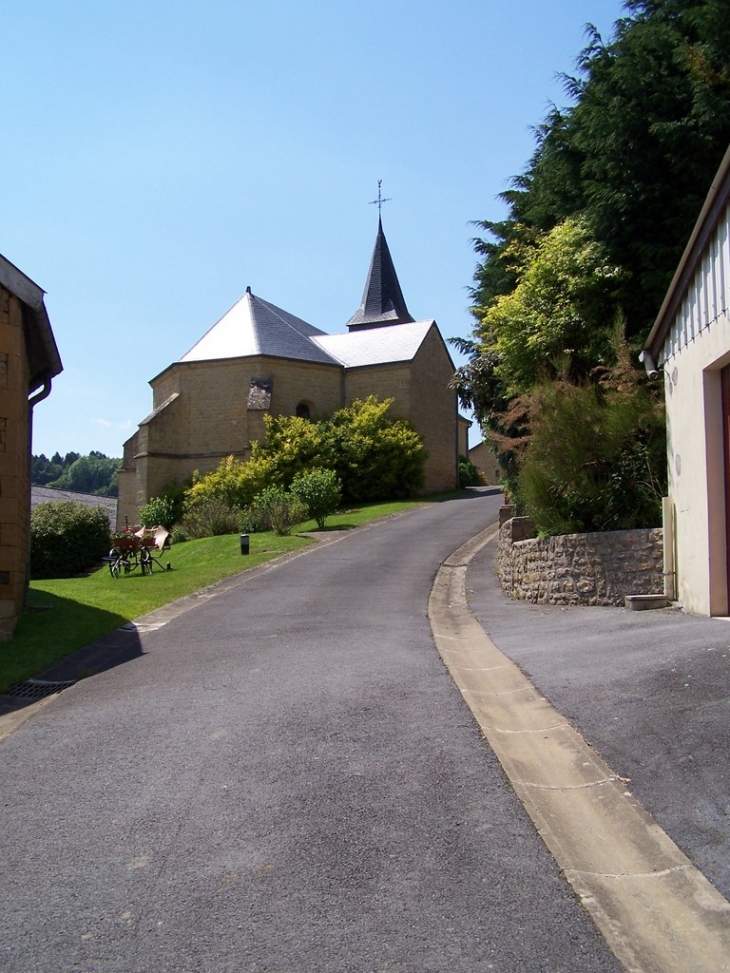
(29, 361)
(483, 457)
(259, 359)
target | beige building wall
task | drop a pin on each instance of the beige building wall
(14, 464)
(482, 456)
(464, 425)
(422, 395)
(200, 415)
(434, 412)
(695, 454)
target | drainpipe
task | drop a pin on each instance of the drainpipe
(40, 396)
(670, 570)
(33, 401)
(647, 359)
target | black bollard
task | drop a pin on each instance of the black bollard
(244, 544)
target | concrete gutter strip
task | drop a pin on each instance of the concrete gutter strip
(655, 909)
(9, 722)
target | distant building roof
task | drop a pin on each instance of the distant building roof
(380, 332)
(255, 327)
(398, 343)
(382, 300)
(44, 360)
(47, 494)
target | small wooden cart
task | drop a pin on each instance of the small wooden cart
(139, 547)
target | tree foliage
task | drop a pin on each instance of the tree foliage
(595, 456)
(598, 220)
(564, 282)
(374, 456)
(633, 155)
(357, 454)
(95, 473)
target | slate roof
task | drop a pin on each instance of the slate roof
(376, 346)
(380, 332)
(255, 327)
(382, 300)
(44, 362)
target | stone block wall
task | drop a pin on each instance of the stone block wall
(14, 464)
(434, 412)
(579, 569)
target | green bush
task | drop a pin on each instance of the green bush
(66, 538)
(235, 483)
(210, 518)
(158, 511)
(255, 519)
(596, 458)
(373, 456)
(320, 491)
(283, 510)
(469, 475)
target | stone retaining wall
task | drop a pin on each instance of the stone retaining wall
(579, 569)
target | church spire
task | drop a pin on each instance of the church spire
(382, 300)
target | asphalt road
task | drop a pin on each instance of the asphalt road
(286, 779)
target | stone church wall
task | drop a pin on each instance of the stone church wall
(384, 382)
(14, 464)
(201, 415)
(205, 411)
(579, 569)
(434, 412)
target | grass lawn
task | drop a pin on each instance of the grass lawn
(68, 613)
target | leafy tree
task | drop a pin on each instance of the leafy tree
(95, 473)
(321, 492)
(469, 475)
(158, 512)
(89, 474)
(564, 283)
(595, 457)
(292, 445)
(281, 509)
(634, 154)
(627, 164)
(43, 471)
(375, 457)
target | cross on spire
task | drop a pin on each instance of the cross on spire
(380, 200)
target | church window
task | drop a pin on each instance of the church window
(304, 411)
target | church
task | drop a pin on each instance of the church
(259, 359)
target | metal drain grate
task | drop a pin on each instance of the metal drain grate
(37, 688)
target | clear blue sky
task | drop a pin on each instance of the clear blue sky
(160, 156)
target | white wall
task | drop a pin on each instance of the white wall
(696, 466)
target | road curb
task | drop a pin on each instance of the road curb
(656, 910)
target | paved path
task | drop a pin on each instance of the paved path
(649, 690)
(655, 908)
(286, 779)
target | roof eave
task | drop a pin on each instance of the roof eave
(27, 291)
(333, 363)
(710, 215)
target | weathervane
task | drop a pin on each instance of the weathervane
(380, 200)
